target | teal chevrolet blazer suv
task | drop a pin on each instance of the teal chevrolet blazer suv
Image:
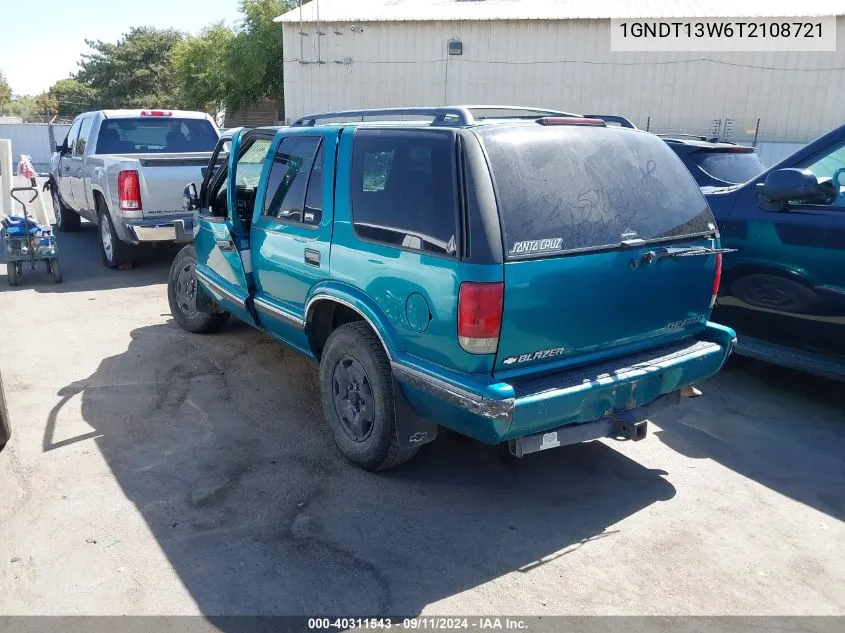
(517, 275)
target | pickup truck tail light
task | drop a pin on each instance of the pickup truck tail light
(717, 280)
(480, 316)
(129, 190)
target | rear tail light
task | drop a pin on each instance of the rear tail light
(480, 316)
(129, 190)
(717, 280)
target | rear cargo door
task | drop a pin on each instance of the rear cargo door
(592, 218)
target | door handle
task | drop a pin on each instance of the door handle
(312, 257)
(78, 171)
(225, 245)
(67, 167)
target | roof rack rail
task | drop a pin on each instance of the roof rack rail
(621, 121)
(441, 115)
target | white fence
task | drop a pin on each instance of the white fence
(32, 139)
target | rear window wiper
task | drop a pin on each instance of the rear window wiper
(689, 251)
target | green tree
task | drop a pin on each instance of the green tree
(255, 58)
(73, 97)
(136, 72)
(46, 106)
(21, 106)
(200, 65)
(5, 91)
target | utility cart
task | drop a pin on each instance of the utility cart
(27, 242)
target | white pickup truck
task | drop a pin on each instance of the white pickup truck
(125, 170)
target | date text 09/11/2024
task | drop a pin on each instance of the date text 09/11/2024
(421, 623)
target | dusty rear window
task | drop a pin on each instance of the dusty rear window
(566, 188)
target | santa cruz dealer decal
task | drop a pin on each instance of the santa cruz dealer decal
(536, 246)
(523, 358)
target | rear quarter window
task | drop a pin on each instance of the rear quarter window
(562, 189)
(403, 190)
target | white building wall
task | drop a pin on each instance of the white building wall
(565, 64)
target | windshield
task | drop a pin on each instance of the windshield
(567, 188)
(732, 167)
(156, 136)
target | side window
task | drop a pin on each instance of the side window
(84, 133)
(249, 167)
(73, 133)
(314, 196)
(831, 166)
(403, 189)
(289, 178)
(251, 163)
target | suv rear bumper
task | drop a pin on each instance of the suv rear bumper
(501, 411)
(154, 230)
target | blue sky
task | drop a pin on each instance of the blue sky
(43, 39)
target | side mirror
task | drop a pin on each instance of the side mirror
(61, 149)
(190, 199)
(783, 185)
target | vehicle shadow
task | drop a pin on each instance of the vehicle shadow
(220, 444)
(769, 439)
(83, 269)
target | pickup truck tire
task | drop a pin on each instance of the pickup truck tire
(182, 287)
(115, 253)
(357, 392)
(66, 220)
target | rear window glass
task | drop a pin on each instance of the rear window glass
(732, 167)
(156, 136)
(565, 188)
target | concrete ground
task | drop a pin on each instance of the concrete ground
(158, 472)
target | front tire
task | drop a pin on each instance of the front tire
(12, 273)
(182, 290)
(777, 293)
(115, 253)
(5, 424)
(356, 385)
(66, 220)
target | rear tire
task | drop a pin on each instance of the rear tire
(356, 385)
(55, 270)
(115, 253)
(12, 273)
(66, 220)
(182, 289)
